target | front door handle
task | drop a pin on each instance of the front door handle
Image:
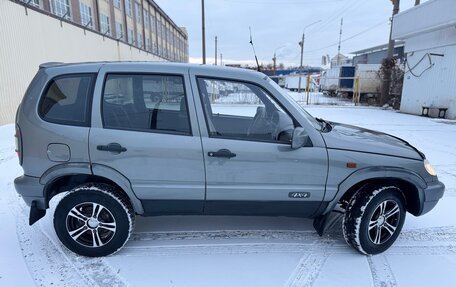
(226, 153)
(112, 147)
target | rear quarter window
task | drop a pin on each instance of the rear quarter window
(67, 100)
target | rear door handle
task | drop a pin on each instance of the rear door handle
(226, 153)
(112, 147)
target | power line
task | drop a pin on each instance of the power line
(338, 14)
(349, 38)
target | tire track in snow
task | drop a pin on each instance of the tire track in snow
(411, 242)
(95, 270)
(45, 257)
(309, 267)
(46, 265)
(382, 275)
(225, 234)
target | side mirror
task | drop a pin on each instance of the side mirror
(299, 139)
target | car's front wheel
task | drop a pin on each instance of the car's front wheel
(94, 220)
(374, 218)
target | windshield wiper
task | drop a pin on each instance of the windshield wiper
(325, 126)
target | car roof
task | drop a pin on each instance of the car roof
(184, 66)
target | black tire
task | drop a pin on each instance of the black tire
(99, 218)
(374, 218)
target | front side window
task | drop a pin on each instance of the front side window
(145, 103)
(62, 8)
(86, 15)
(67, 100)
(244, 111)
(104, 21)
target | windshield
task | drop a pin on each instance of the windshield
(309, 117)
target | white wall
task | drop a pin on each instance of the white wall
(26, 41)
(436, 86)
(428, 16)
(429, 79)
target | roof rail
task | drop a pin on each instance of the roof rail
(50, 64)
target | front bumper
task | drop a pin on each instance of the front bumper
(431, 195)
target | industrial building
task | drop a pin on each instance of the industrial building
(430, 48)
(141, 23)
(376, 54)
(38, 31)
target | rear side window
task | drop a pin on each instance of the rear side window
(155, 103)
(67, 100)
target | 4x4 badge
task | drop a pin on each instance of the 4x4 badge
(299, 194)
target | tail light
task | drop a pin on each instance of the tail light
(18, 140)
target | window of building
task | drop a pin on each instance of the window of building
(145, 103)
(119, 30)
(159, 27)
(86, 15)
(152, 23)
(67, 100)
(128, 7)
(104, 22)
(256, 117)
(146, 18)
(131, 36)
(35, 3)
(154, 45)
(116, 3)
(139, 39)
(147, 44)
(61, 7)
(137, 12)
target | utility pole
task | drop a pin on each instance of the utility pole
(221, 59)
(386, 62)
(302, 52)
(274, 59)
(216, 50)
(300, 65)
(203, 31)
(340, 39)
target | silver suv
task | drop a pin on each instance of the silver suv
(126, 139)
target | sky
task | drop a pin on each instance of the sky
(277, 26)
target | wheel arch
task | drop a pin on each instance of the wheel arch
(410, 183)
(65, 178)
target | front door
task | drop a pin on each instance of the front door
(250, 166)
(145, 133)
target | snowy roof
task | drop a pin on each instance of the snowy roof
(378, 48)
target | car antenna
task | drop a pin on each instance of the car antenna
(253, 48)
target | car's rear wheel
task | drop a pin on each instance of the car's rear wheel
(374, 218)
(94, 220)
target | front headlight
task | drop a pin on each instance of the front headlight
(429, 168)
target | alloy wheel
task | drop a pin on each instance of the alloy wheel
(384, 221)
(91, 224)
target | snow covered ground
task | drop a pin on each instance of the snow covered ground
(244, 251)
(317, 98)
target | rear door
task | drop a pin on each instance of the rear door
(144, 128)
